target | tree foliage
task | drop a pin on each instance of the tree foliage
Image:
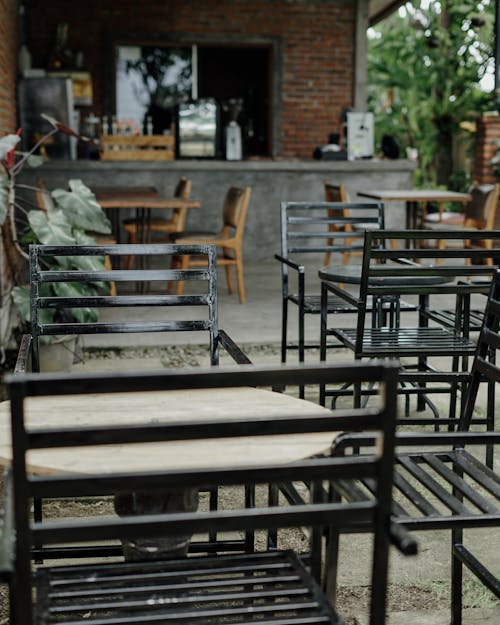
(425, 64)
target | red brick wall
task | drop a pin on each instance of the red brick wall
(317, 39)
(488, 133)
(8, 60)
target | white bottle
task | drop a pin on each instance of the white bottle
(233, 142)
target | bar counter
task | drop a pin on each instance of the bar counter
(272, 182)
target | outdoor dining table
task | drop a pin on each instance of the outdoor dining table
(414, 197)
(141, 198)
(179, 406)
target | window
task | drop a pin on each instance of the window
(153, 80)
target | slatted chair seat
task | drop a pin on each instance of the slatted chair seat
(336, 305)
(432, 341)
(203, 590)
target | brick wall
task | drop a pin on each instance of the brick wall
(8, 56)
(8, 70)
(488, 133)
(317, 48)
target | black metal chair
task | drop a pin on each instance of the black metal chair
(271, 586)
(389, 274)
(442, 484)
(311, 231)
(129, 304)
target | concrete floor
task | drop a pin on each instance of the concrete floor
(259, 322)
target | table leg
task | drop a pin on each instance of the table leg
(156, 548)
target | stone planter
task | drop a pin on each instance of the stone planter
(59, 354)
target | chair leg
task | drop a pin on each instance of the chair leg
(108, 266)
(184, 264)
(456, 580)
(129, 260)
(229, 279)
(239, 277)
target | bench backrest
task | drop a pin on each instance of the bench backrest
(59, 306)
(320, 513)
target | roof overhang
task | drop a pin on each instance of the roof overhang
(380, 9)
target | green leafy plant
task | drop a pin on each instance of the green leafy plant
(66, 218)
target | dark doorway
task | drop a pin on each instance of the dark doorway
(232, 73)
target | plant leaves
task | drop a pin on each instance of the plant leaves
(81, 207)
(21, 299)
(77, 289)
(51, 228)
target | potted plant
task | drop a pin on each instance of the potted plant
(68, 216)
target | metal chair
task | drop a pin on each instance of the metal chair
(128, 305)
(309, 229)
(394, 273)
(229, 240)
(440, 483)
(272, 586)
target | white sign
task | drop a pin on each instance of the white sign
(359, 135)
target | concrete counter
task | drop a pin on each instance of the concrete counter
(272, 182)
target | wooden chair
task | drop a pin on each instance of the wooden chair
(161, 225)
(418, 342)
(441, 483)
(337, 193)
(478, 214)
(229, 240)
(270, 585)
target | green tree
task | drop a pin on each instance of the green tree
(425, 64)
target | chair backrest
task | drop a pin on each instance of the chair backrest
(235, 209)
(320, 512)
(481, 210)
(335, 192)
(183, 188)
(66, 281)
(319, 227)
(179, 214)
(486, 363)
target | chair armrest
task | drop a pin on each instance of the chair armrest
(233, 349)
(290, 263)
(348, 440)
(7, 536)
(23, 354)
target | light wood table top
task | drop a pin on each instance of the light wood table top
(165, 406)
(416, 195)
(139, 197)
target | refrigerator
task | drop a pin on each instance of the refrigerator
(54, 97)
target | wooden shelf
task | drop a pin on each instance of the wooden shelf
(137, 148)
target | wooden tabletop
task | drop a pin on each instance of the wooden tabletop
(165, 406)
(139, 197)
(416, 195)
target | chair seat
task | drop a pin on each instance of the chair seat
(262, 587)
(407, 341)
(446, 219)
(312, 304)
